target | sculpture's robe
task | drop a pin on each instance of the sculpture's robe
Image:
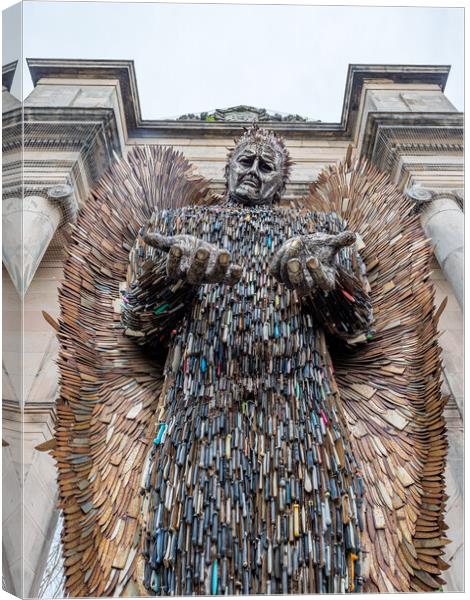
(251, 485)
(108, 411)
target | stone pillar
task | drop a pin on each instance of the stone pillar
(443, 222)
(39, 219)
(28, 228)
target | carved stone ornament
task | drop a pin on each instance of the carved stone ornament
(242, 113)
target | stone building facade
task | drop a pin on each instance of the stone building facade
(83, 113)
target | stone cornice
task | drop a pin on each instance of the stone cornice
(66, 114)
(10, 407)
(400, 74)
(378, 120)
(124, 71)
(77, 128)
(8, 73)
(91, 134)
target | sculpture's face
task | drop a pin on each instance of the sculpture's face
(255, 174)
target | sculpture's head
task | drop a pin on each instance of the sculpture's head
(258, 168)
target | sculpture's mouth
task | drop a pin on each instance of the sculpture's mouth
(251, 182)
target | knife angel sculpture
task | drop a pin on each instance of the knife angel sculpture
(250, 391)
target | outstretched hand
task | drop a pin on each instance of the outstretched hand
(306, 262)
(195, 260)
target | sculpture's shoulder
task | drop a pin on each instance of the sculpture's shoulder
(329, 222)
(185, 219)
(172, 221)
(188, 212)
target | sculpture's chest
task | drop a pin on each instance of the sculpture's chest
(258, 307)
(256, 328)
(252, 236)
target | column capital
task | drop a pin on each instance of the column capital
(63, 194)
(422, 196)
(442, 219)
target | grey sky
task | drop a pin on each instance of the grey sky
(190, 58)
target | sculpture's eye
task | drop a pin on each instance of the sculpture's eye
(265, 167)
(246, 161)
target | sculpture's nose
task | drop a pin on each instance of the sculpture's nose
(255, 167)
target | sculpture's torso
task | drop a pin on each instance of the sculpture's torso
(253, 486)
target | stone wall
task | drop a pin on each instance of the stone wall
(101, 98)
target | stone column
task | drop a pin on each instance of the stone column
(443, 221)
(28, 228)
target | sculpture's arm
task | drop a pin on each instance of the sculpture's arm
(153, 304)
(329, 278)
(346, 310)
(164, 275)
